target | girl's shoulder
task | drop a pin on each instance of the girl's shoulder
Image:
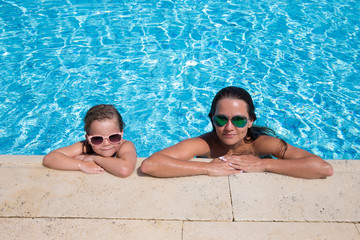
(74, 149)
(126, 145)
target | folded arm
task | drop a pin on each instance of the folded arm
(123, 164)
(67, 158)
(174, 161)
(295, 162)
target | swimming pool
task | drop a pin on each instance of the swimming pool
(161, 63)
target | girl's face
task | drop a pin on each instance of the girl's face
(105, 128)
(229, 134)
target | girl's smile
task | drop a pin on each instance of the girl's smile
(108, 128)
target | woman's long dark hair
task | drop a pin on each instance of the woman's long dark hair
(255, 131)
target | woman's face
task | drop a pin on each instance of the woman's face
(105, 128)
(229, 134)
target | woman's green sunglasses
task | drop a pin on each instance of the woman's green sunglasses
(238, 121)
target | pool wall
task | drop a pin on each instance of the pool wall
(41, 203)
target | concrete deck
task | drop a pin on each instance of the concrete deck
(40, 203)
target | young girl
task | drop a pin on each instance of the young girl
(103, 150)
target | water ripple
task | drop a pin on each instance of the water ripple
(161, 63)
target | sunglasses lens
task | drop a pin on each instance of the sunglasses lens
(239, 122)
(115, 138)
(96, 140)
(220, 120)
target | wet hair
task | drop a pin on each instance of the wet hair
(255, 131)
(98, 113)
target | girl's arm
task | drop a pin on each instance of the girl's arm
(123, 164)
(295, 162)
(174, 161)
(66, 158)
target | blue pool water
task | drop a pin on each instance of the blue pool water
(161, 63)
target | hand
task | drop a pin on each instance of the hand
(86, 157)
(90, 167)
(220, 168)
(245, 163)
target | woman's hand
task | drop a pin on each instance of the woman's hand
(245, 163)
(220, 168)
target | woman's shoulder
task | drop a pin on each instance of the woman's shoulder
(265, 145)
(265, 140)
(195, 141)
(208, 137)
(188, 148)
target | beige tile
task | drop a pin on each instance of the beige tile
(358, 227)
(267, 197)
(44, 229)
(345, 165)
(268, 230)
(42, 192)
(21, 160)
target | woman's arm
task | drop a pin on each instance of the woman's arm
(123, 164)
(174, 161)
(66, 158)
(294, 162)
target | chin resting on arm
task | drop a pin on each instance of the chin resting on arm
(123, 164)
(72, 159)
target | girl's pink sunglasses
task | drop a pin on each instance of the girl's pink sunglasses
(98, 140)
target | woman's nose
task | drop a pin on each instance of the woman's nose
(229, 125)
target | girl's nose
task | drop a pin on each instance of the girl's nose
(106, 141)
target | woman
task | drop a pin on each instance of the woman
(235, 145)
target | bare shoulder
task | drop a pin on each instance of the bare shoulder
(73, 150)
(127, 144)
(188, 148)
(265, 145)
(265, 139)
(126, 147)
(193, 142)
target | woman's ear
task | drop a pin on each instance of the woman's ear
(250, 123)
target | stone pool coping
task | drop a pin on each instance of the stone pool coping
(41, 203)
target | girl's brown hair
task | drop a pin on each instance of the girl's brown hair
(101, 112)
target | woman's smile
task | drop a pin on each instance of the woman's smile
(229, 135)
